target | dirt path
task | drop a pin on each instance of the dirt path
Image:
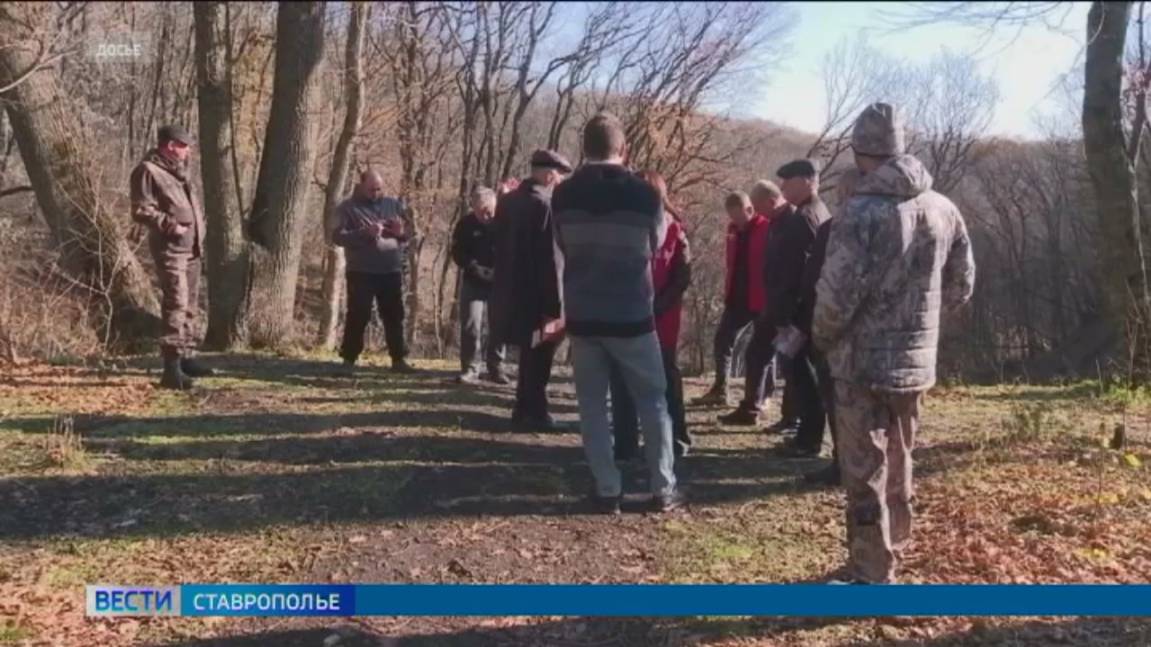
(282, 471)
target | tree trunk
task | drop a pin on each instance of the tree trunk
(65, 178)
(284, 182)
(227, 256)
(1120, 250)
(353, 89)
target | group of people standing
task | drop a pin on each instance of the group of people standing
(848, 307)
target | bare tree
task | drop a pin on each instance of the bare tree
(281, 200)
(57, 156)
(953, 110)
(1111, 162)
(227, 257)
(338, 175)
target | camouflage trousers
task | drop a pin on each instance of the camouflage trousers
(179, 274)
(876, 433)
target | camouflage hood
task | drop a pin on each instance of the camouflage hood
(903, 176)
(896, 258)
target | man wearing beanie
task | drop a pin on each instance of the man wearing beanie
(897, 256)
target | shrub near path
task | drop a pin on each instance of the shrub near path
(281, 471)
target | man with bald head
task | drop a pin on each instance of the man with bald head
(374, 231)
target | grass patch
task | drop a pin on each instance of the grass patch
(64, 447)
(11, 634)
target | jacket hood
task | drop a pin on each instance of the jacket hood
(902, 176)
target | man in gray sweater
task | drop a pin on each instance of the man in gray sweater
(374, 231)
(607, 227)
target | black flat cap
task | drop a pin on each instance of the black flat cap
(550, 159)
(798, 168)
(175, 133)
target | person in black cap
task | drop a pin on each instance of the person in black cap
(164, 202)
(788, 249)
(525, 288)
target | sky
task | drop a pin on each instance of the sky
(1031, 64)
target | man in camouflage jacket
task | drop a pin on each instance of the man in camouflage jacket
(896, 258)
(165, 203)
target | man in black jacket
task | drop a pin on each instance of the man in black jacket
(789, 246)
(525, 290)
(474, 252)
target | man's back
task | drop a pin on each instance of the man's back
(607, 224)
(897, 257)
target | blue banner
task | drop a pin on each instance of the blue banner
(752, 600)
(619, 600)
(274, 600)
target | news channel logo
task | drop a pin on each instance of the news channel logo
(119, 47)
(111, 600)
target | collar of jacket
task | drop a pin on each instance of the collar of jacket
(530, 186)
(749, 225)
(176, 169)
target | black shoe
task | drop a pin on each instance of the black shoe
(534, 424)
(794, 450)
(192, 368)
(402, 366)
(468, 377)
(608, 505)
(828, 476)
(347, 368)
(173, 377)
(741, 416)
(667, 502)
(498, 377)
(782, 426)
(716, 397)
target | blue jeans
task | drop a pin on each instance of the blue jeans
(640, 364)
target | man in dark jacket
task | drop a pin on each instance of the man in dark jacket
(845, 188)
(374, 230)
(525, 292)
(163, 201)
(788, 249)
(474, 252)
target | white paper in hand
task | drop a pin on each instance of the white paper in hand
(789, 342)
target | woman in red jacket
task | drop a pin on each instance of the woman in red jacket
(671, 274)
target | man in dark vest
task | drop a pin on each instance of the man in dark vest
(164, 201)
(525, 291)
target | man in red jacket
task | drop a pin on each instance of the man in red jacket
(743, 286)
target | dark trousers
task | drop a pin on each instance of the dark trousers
(759, 371)
(624, 418)
(731, 322)
(386, 291)
(827, 392)
(808, 399)
(788, 408)
(473, 314)
(532, 381)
